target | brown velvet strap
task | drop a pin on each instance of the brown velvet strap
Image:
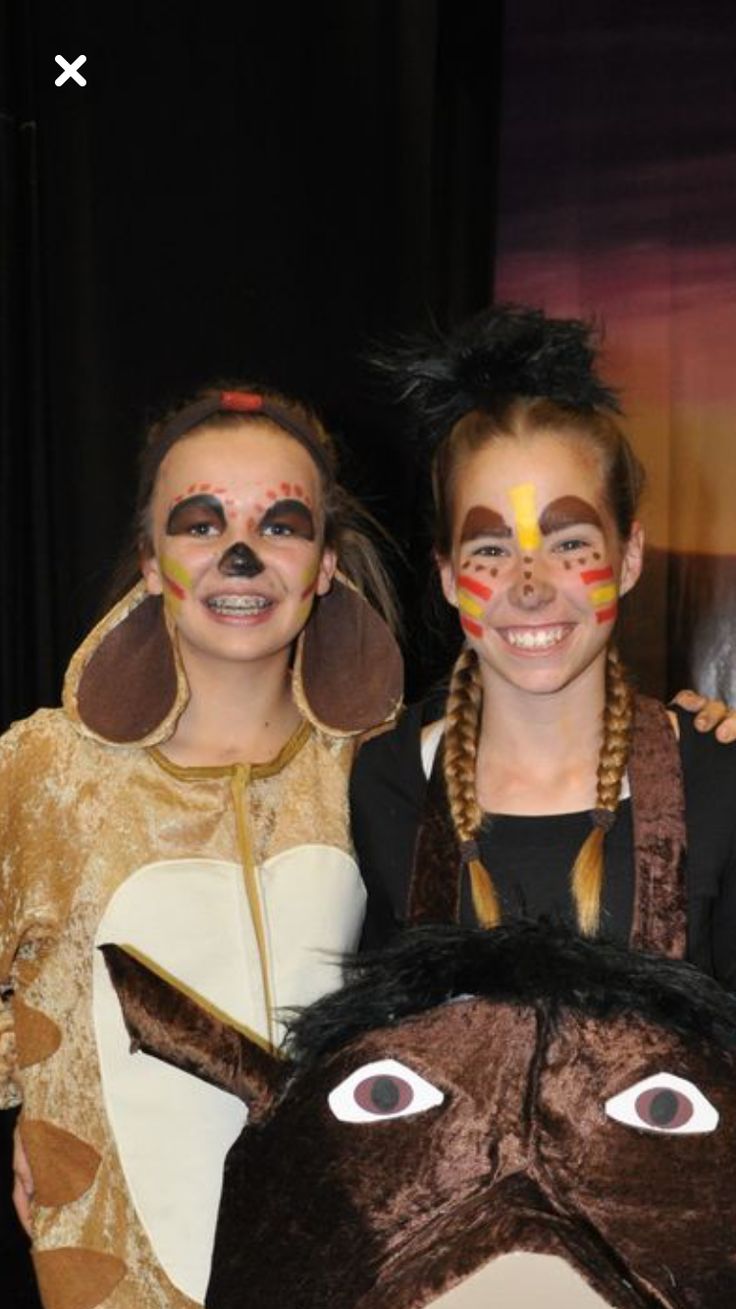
(434, 887)
(660, 837)
(659, 921)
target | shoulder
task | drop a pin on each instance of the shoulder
(397, 754)
(41, 730)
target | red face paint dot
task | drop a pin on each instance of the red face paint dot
(286, 488)
(205, 486)
(251, 524)
(191, 489)
(271, 495)
(298, 490)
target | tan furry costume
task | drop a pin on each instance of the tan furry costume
(239, 881)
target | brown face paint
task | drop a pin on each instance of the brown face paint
(194, 511)
(484, 521)
(568, 511)
(293, 515)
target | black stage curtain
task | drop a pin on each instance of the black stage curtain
(252, 190)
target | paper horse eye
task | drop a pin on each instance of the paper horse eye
(380, 1090)
(664, 1103)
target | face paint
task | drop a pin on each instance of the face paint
(603, 592)
(568, 511)
(309, 582)
(292, 517)
(472, 598)
(481, 520)
(190, 511)
(177, 581)
(240, 561)
(524, 501)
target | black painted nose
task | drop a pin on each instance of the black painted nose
(240, 561)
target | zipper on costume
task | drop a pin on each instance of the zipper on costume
(239, 783)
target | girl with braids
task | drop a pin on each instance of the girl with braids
(190, 799)
(541, 784)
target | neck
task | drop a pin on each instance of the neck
(538, 753)
(237, 712)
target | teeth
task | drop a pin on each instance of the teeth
(237, 604)
(539, 638)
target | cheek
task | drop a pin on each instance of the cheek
(601, 589)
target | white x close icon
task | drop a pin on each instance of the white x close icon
(70, 70)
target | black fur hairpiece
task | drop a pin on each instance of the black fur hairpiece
(503, 352)
(522, 962)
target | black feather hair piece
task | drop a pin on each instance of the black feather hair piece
(502, 352)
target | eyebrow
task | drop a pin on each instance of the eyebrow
(483, 521)
(179, 514)
(567, 511)
(295, 513)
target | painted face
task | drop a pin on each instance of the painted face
(536, 565)
(236, 534)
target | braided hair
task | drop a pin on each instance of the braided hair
(512, 371)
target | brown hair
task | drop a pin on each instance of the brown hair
(348, 528)
(623, 479)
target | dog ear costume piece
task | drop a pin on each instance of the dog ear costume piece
(126, 684)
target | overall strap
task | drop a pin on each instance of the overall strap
(434, 887)
(659, 920)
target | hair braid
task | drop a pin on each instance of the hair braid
(588, 869)
(460, 754)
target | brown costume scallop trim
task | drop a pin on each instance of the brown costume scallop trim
(348, 670)
(36, 1036)
(659, 921)
(63, 1167)
(660, 835)
(72, 1278)
(126, 684)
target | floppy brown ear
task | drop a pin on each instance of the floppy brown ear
(165, 1021)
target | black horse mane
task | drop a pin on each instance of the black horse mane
(518, 963)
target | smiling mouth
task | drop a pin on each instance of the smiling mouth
(238, 606)
(535, 638)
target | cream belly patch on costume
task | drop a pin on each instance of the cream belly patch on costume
(191, 918)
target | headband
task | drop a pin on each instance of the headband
(246, 402)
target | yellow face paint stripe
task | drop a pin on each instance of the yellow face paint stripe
(176, 571)
(601, 595)
(467, 604)
(524, 501)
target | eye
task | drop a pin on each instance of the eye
(491, 550)
(277, 529)
(203, 529)
(570, 544)
(664, 1103)
(381, 1090)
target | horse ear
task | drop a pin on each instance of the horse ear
(172, 1025)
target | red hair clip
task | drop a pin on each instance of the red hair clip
(242, 401)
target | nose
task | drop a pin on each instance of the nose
(532, 590)
(240, 561)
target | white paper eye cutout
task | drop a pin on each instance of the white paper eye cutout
(381, 1090)
(665, 1104)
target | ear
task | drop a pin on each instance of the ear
(164, 1021)
(151, 572)
(447, 578)
(633, 559)
(326, 572)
